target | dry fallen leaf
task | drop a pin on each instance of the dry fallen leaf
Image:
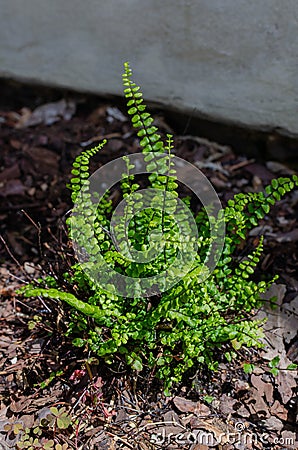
(20, 405)
(257, 405)
(227, 404)
(282, 322)
(290, 236)
(44, 160)
(12, 187)
(265, 390)
(243, 411)
(19, 119)
(49, 113)
(216, 427)
(12, 172)
(273, 423)
(279, 410)
(184, 405)
(286, 381)
(188, 406)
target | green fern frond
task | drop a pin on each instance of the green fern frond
(247, 266)
(80, 170)
(85, 308)
(150, 139)
(244, 211)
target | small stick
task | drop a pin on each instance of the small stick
(241, 164)
(89, 370)
(38, 227)
(11, 254)
(118, 438)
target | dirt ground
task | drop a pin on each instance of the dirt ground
(41, 132)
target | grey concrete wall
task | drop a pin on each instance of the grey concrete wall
(232, 60)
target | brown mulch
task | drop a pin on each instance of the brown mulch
(40, 135)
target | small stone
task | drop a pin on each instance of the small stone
(257, 183)
(44, 187)
(31, 191)
(29, 268)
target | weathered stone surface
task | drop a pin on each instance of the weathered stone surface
(231, 62)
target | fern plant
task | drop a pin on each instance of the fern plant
(184, 326)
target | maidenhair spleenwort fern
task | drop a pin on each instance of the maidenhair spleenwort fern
(80, 170)
(184, 326)
(142, 120)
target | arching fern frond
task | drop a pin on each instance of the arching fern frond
(150, 139)
(80, 170)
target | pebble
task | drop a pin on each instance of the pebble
(31, 191)
(44, 187)
(29, 268)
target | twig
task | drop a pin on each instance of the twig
(17, 278)
(38, 227)
(89, 370)
(203, 141)
(118, 438)
(212, 166)
(241, 164)
(10, 253)
(167, 422)
(189, 120)
(100, 138)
